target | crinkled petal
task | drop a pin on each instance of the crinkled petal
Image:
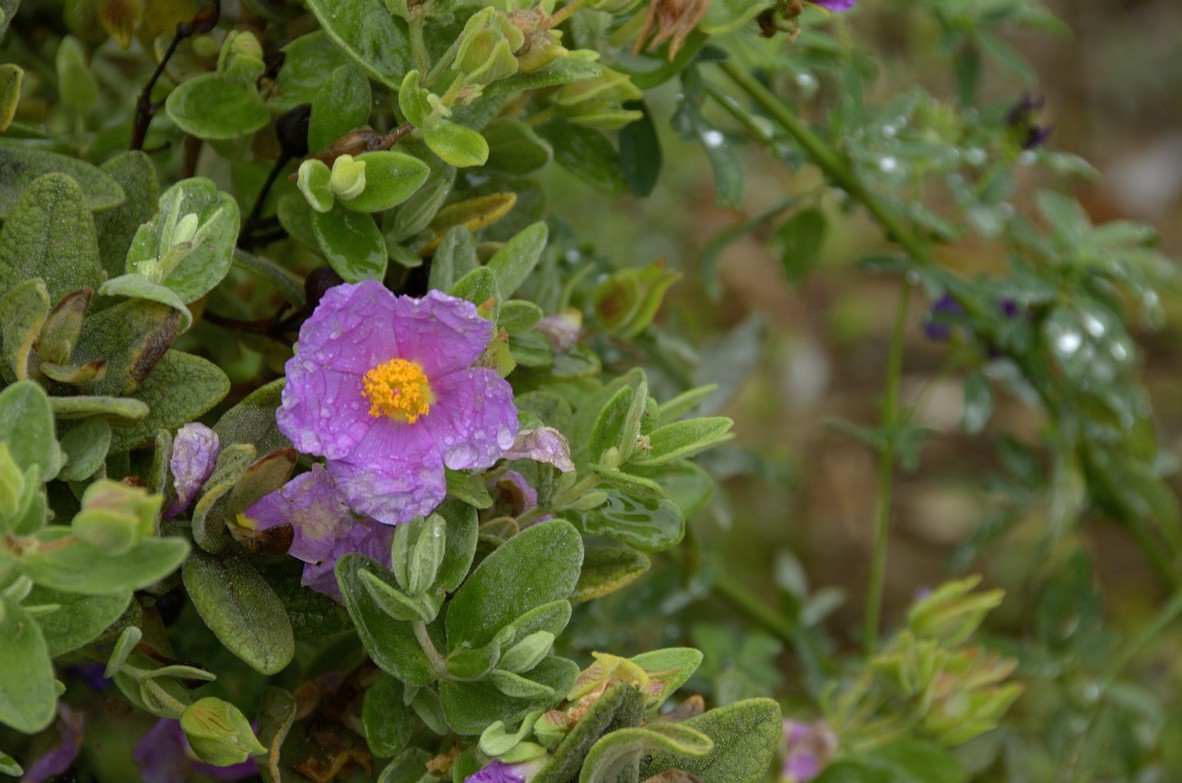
(194, 454)
(311, 504)
(350, 333)
(365, 537)
(323, 411)
(473, 418)
(440, 332)
(61, 756)
(394, 474)
(542, 444)
(835, 5)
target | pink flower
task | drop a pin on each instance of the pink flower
(383, 386)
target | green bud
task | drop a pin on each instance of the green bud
(151, 269)
(241, 57)
(528, 653)
(525, 752)
(430, 546)
(348, 177)
(219, 733)
(184, 231)
(951, 612)
(496, 741)
(401, 549)
(486, 47)
(313, 180)
(412, 100)
(115, 517)
(627, 301)
(598, 102)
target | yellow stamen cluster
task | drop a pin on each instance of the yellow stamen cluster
(398, 389)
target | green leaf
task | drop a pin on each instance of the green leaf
(539, 565)
(746, 737)
(11, 77)
(609, 430)
(456, 145)
(906, 761)
(21, 167)
(216, 107)
(586, 153)
(134, 172)
(462, 534)
(801, 238)
(26, 426)
(471, 707)
(139, 287)
(342, 104)
(27, 695)
(390, 179)
(669, 667)
(454, 258)
(479, 287)
(49, 233)
(23, 310)
(683, 438)
(206, 257)
(85, 447)
(132, 337)
(306, 60)
(647, 524)
(352, 243)
(76, 86)
(640, 151)
(514, 147)
(8, 765)
(564, 70)
(515, 260)
(179, 390)
(620, 706)
(118, 411)
(241, 609)
(617, 755)
(978, 402)
(369, 35)
(78, 620)
(607, 569)
(390, 643)
(388, 722)
(77, 567)
(253, 420)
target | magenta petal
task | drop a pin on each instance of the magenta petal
(394, 474)
(353, 328)
(311, 504)
(473, 419)
(61, 756)
(835, 5)
(443, 334)
(323, 411)
(194, 454)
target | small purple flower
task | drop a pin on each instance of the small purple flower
(384, 387)
(807, 750)
(938, 321)
(516, 492)
(542, 444)
(323, 528)
(60, 757)
(1021, 118)
(835, 5)
(194, 454)
(164, 756)
(497, 771)
(562, 330)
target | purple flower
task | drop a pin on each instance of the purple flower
(518, 495)
(562, 330)
(542, 444)
(938, 321)
(164, 756)
(497, 771)
(1021, 118)
(91, 673)
(384, 387)
(323, 527)
(194, 454)
(835, 5)
(61, 756)
(807, 750)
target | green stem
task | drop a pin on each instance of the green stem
(749, 604)
(886, 473)
(418, 44)
(564, 13)
(424, 639)
(829, 161)
(1165, 615)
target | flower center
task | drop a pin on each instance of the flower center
(398, 389)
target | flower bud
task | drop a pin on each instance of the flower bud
(219, 733)
(348, 177)
(116, 517)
